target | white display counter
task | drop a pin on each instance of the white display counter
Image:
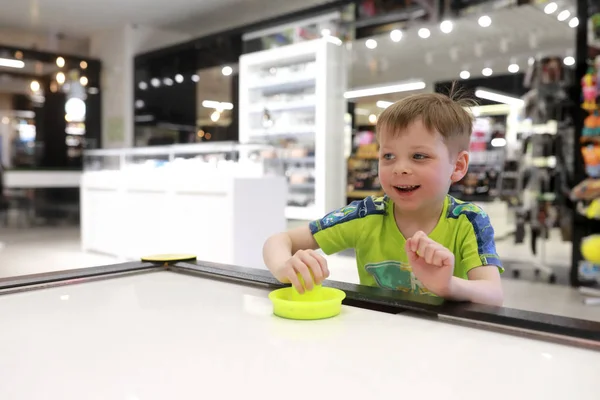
(40, 179)
(221, 212)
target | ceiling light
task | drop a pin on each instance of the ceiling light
(563, 15)
(498, 142)
(178, 78)
(143, 85)
(139, 104)
(383, 104)
(424, 33)
(227, 71)
(484, 21)
(465, 74)
(487, 72)
(396, 35)
(195, 78)
(574, 22)
(446, 26)
(550, 8)
(217, 105)
(155, 82)
(10, 63)
(168, 81)
(60, 78)
(498, 97)
(372, 118)
(215, 116)
(60, 62)
(379, 90)
(83, 65)
(513, 68)
(371, 44)
(35, 86)
(569, 60)
(83, 80)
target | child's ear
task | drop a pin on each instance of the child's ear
(461, 166)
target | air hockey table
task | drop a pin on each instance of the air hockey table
(197, 330)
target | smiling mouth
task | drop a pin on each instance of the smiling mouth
(407, 188)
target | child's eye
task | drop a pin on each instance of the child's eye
(419, 156)
(388, 156)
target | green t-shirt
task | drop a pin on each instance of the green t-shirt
(368, 226)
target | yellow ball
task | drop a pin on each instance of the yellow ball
(590, 249)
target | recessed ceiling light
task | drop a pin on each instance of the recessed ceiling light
(178, 78)
(227, 70)
(396, 35)
(574, 22)
(569, 60)
(550, 8)
(465, 74)
(446, 26)
(424, 33)
(563, 15)
(484, 21)
(371, 44)
(513, 68)
(487, 72)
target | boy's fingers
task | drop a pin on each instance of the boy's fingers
(311, 262)
(303, 270)
(322, 262)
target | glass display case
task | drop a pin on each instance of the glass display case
(222, 158)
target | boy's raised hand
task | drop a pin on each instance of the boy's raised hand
(432, 263)
(307, 263)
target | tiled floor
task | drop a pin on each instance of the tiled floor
(27, 251)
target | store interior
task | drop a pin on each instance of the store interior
(260, 95)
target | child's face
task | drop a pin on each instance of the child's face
(416, 169)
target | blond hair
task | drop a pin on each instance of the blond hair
(441, 113)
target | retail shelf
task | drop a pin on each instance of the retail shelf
(298, 160)
(306, 104)
(285, 131)
(276, 84)
(302, 186)
(302, 94)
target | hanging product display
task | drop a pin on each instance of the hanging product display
(546, 99)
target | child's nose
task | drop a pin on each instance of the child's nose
(402, 168)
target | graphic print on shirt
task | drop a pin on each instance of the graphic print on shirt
(396, 275)
(356, 209)
(481, 226)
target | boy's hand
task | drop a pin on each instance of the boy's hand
(306, 263)
(432, 263)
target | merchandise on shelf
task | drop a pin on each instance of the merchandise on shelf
(592, 124)
(285, 103)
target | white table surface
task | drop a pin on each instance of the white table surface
(163, 335)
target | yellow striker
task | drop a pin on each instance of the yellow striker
(318, 303)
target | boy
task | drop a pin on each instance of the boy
(416, 238)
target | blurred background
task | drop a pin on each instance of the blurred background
(127, 128)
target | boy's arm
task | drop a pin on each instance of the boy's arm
(334, 232)
(480, 260)
(282, 246)
(484, 286)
